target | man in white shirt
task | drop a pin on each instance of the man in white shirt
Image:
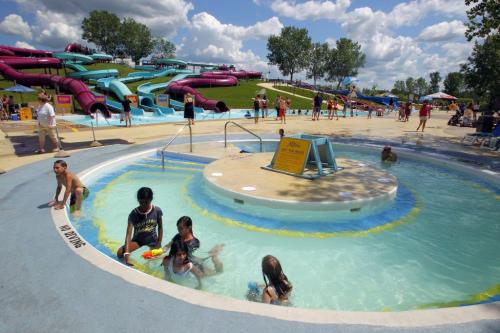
(46, 123)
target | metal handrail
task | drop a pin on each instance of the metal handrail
(172, 140)
(243, 128)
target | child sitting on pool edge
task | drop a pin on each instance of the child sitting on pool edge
(74, 188)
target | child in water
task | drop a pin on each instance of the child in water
(178, 268)
(143, 220)
(185, 235)
(277, 288)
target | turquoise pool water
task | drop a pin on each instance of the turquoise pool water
(435, 245)
(177, 117)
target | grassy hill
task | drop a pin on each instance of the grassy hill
(240, 97)
(235, 97)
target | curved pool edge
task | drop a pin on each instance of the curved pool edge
(418, 318)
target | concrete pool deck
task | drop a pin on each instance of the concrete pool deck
(355, 186)
(47, 287)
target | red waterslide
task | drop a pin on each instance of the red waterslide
(238, 74)
(76, 87)
(76, 48)
(22, 52)
(181, 87)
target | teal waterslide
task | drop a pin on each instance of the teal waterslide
(74, 61)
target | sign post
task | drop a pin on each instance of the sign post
(134, 101)
(64, 103)
(306, 156)
(291, 156)
(163, 100)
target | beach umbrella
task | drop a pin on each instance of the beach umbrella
(20, 89)
(438, 95)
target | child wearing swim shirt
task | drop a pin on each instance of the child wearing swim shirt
(178, 268)
(278, 288)
(144, 221)
(75, 191)
(185, 234)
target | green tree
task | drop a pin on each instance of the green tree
(421, 87)
(454, 83)
(317, 61)
(344, 60)
(484, 18)
(434, 83)
(290, 50)
(410, 85)
(136, 39)
(399, 87)
(482, 70)
(163, 48)
(102, 28)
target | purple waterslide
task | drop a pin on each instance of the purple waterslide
(76, 87)
(5, 52)
(183, 86)
(22, 52)
(76, 48)
(238, 74)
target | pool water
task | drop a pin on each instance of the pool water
(435, 245)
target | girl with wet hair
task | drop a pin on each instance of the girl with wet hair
(278, 288)
(186, 235)
(178, 268)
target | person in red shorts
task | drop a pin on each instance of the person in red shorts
(425, 113)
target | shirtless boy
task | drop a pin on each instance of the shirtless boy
(75, 191)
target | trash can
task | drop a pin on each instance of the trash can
(14, 116)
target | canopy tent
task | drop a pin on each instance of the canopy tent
(438, 95)
(19, 88)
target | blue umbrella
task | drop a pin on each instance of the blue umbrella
(19, 88)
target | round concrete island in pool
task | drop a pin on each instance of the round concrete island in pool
(354, 186)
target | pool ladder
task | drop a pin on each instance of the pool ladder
(243, 128)
(172, 140)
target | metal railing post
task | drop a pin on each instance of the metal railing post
(172, 140)
(243, 128)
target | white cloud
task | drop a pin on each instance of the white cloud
(313, 10)
(15, 25)
(443, 31)
(209, 40)
(331, 42)
(56, 30)
(24, 45)
(162, 16)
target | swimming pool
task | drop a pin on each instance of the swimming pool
(435, 245)
(85, 120)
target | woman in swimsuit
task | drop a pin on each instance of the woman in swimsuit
(278, 288)
(178, 268)
(144, 221)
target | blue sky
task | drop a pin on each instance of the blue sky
(399, 38)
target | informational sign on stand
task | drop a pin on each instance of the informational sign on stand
(64, 103)
(292, 155)
(134, 101)
(25, 113)
(163, 100)
(101, 99)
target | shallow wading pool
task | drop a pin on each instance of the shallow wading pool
(434, 245)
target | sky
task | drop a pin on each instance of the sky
(400, 38)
